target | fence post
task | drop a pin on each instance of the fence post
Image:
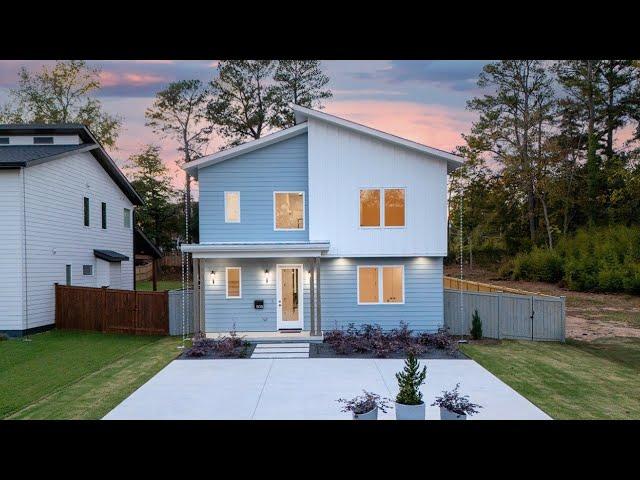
(532, 316)
(563, 317)
(499, 313)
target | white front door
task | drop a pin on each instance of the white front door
(289, 294)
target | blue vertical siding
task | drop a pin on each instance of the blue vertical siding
(222, 314)
(423, 307)
(256, 175)
(422, 310)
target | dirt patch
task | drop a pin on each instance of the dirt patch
(589, 315)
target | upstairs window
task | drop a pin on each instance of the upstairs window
(372, 213)
(104, 215)
(43, 140)
(87, 215)
(288, 210)
(126, 218)
(232, 207)
(4, 140)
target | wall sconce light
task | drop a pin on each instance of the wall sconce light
(213, 277)
(266, 276)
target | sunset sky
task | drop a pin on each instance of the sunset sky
(419, 100)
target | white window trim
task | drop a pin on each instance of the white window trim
(304, 212)
(93, 269)
(226, 283)
(226, 218)
(383, 191)
(70, 273)
(380, 285)
(128, 227)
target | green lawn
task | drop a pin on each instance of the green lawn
(76, 375)
(576, 380)
(147, 286)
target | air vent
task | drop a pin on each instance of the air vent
(43, 140)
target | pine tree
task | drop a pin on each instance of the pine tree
(409, 381)
(476, 326)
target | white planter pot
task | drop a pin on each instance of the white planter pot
(370, 415)
(410, 412)
(446, 414)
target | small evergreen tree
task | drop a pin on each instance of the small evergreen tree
(409, 381)
(476, 326)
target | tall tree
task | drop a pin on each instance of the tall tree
(179, 112)
(513, 122)
(242, 104)
(300, 82)
(62, 94)
(150, 177)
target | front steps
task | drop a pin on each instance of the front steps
(281, 350)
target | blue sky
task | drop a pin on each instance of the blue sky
(420, 100)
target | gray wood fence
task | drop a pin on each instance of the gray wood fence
(176, 309)
(504, 315)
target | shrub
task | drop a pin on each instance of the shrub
(3, 336)
(409, 381)
(454, 402)
(364, 403)
(540, 264)
(476, 326)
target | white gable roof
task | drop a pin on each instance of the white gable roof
(302, 114)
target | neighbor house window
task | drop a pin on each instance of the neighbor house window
(288, 210)
(372, 213)
(4, 140)
(127, 218)
(67, 274)
(380, 284)
(87, 216)
(232, 207)
(87, 269)
(43, 140)
(234, 286)
(104, 215)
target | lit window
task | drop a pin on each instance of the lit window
(232, 207)
(87, 269)
(394, 207)
(234, 286)
(380, 284)
(368, 285)
(289, 210)
(127, 218)
(370, 208)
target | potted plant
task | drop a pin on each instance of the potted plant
(454, 406)
(409, 404)
(365, 407)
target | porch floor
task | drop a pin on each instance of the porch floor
(274, 337)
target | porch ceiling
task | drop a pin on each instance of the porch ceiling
(257, 249)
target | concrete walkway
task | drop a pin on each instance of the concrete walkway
(306, 389)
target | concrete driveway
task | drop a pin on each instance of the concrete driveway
(307, 389)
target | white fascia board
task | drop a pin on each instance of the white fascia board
(193, 166)
(256, 250)
(303, 113)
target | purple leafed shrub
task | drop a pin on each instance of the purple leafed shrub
(372, 339)
(364, 403)
(231, 346)
(454, 402)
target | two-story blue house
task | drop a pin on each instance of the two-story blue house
(318, 226)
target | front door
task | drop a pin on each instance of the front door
(289, 296)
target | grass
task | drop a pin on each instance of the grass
(76, 375)
(147, 286)
(576, 380)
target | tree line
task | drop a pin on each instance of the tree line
(246, 100)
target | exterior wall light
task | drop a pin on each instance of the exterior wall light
(266, 276)
(213, 277)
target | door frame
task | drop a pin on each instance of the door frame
(280, 324)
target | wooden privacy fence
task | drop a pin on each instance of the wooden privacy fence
(504, 315)
(107, 310)
(468, 285)
(171, 260)
(144, 272)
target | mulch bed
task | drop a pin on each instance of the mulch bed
(323, 350)
(228, 347)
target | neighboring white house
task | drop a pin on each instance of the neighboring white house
(321, 225)
(66, 216)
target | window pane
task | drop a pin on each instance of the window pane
(368, 285)
(232, 207)
(392, 285)
(87, 270)
(68, 274)
(104, 215)
(127, 218)
(394, 207)
(290, 210)
(86, 212)
(233, 282)
(369, 208)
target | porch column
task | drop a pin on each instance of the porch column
(312, 294)
(203, 284)
(195, 296)
(316, 261)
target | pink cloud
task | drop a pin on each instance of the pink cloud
(112, 79)
(433, 125)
